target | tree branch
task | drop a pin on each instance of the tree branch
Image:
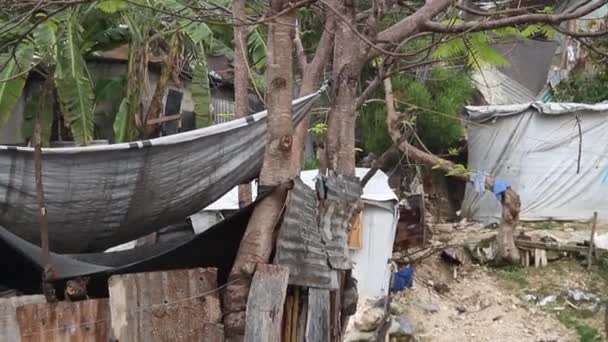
(475, 26)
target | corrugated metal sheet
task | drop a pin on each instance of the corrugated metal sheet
(341, 199)
(499, 89)
(164, 306)
(314, 244)
(9, 327)
(299, 244)
(85, 321)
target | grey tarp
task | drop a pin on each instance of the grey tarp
(101, 196)
(22, 262)
(535, 148)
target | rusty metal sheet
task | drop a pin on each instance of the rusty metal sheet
(299, 243)
(342, 196)
(164, 306)
(9, 327)
(84, 321)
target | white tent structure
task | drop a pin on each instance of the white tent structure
(379, 224)
(559, 173)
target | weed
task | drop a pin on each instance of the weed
(514, 275)
(548, 225)
(585, 332)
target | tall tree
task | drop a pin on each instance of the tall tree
(257, 243)
(241, 78)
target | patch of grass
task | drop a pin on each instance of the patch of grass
(513, 275)
(548, 225)
(585, 332)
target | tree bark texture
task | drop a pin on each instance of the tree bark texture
(257, 244)
(241, 80)
(347, 65)
(507, 252)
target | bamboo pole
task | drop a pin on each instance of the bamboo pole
(591, 239)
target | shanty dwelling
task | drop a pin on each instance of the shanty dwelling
(371, 240)
(554, 155)
(110, 67)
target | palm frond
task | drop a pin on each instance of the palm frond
(123, 128)
(256, 44)
(73, 83)
(12, 78)
(200, 90)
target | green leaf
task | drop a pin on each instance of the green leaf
(45, 38)
(74, 85)
(123, 130)
(112, 6)
(200, 90)
(257, 49)
(12, 78)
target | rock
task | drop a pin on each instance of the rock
(529, 298)
(359, 336)
(461, 309)
(369, 320)
(401, 327)
(548, 300)
(395, 309)
(441, 288)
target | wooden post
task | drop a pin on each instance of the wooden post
(591, 241)
(47, 273)
(318, 322)
(10, 330)
(265, 303)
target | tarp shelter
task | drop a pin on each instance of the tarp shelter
(378, 226)
(535, 148)
(100, 196)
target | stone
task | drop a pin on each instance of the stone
(369, 320)
(395, 309)
(401, 327)
(581, 296)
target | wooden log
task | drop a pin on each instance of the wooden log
(318, 323)
(84, 321)
(525, 244)
(591, 241)
(265, 303)
(164, 306)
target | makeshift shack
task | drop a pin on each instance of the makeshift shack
(371, 242)
(555, 155)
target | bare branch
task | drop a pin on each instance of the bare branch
(475, 26)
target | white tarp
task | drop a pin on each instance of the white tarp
(535, 148)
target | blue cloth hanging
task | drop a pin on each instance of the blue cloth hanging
(500, 187)
(403, 279)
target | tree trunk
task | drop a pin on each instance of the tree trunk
(241, 79)
(257, 244)
(507, 252)
(347, 65)
(312, 73)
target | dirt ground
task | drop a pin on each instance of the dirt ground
(480, 303)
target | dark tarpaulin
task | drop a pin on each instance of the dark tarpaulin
(21, 261)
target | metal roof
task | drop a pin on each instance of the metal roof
(499, 89)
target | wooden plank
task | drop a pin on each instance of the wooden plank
(84, 321)
(164, 119)
(265, 303)
(9, 327)
(317, 325)
(213, 332)
(164, 306)
(591, 241)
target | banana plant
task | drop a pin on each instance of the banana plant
(55, 45)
